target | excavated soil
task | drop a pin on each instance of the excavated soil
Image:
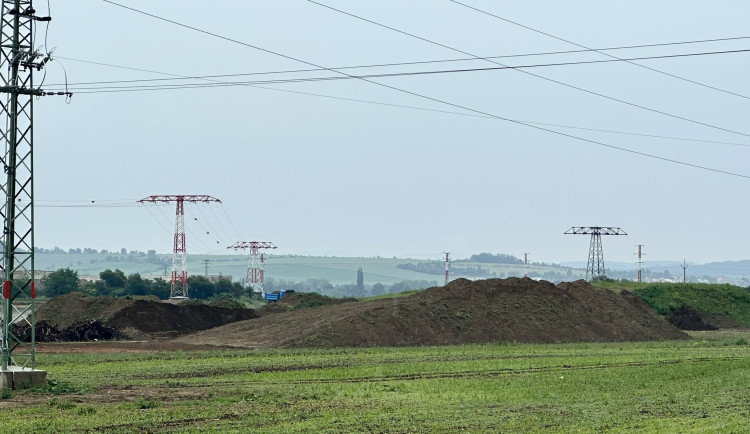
(686, 318)
(146, 318)
(494, 310)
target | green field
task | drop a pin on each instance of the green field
(686, 386)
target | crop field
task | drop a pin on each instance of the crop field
(697, 385)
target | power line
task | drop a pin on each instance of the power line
(630, 61)
(696, 166)
(380, 103)
(380, 65)
(530, 73)
(86, 204)
(339, 77)
(231, 224)
(441, 111)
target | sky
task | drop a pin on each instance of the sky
(400, 165)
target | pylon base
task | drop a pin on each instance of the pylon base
(20, 378)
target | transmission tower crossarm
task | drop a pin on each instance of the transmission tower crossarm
(589, 230)
(166, 198)
(239, 245)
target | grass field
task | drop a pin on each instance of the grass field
(686, 386)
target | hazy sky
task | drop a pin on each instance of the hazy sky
(303, 165)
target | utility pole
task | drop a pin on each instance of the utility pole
(684, 271)
(526, 264)
(18, 60)
(595, 267)
(640, 261)
(447, 265)
(205, 266)
(179, 290)
(257, 262)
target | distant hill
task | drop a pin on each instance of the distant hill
(292, 268)
(387, 271)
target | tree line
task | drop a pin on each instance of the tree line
(115, 283)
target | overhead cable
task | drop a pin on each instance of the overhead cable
(357, 77)
(644, 154)
(630, 61)
(531, 73)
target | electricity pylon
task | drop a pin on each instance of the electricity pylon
(179, 287)
(595, 267)
(18, 60)
(254, 277)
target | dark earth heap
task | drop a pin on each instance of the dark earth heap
(464, 311)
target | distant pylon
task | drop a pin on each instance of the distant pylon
(179, 288)
(684, 271)
(595, 267)
(255, 267)
(447, 265)
(526, 264)
(640, 261)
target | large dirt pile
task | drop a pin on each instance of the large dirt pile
(138, 318)
(510, 310)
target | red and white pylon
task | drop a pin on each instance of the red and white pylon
(179, 288)
(255, 266)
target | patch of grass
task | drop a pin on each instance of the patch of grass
(6, 393)
(55, 387)
(61, 404)
(87, 410)
(143, 404)
(394, 295)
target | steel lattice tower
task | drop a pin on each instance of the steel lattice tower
(179, 288)
(595, 267)
(18, 60)
(254, 277)
(640, 261)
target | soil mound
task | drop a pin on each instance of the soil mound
(137, 318)
(686, 318)
(73, 307)
(509, 310)
(155, 318)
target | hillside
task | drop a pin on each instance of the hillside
(720, 306)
